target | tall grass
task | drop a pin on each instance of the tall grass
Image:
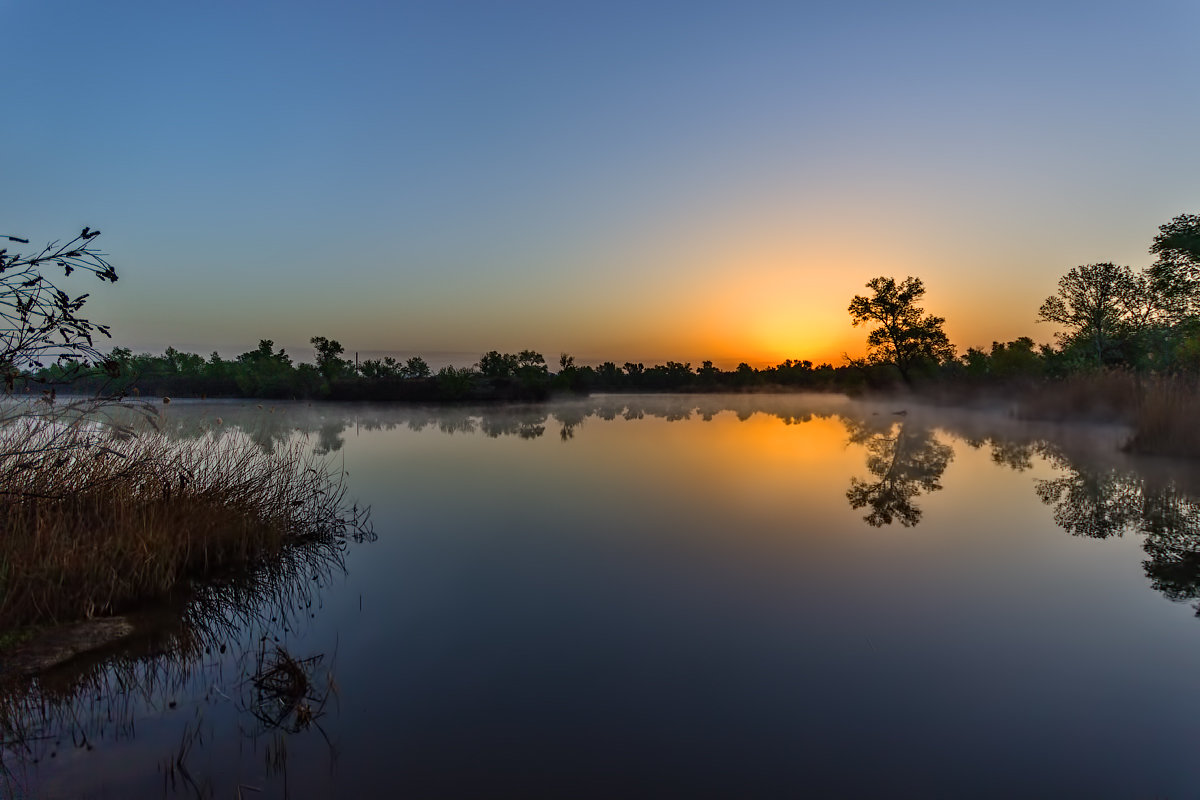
(1162, 411)
(93, 524)
(1167, 421)
(1106, 396)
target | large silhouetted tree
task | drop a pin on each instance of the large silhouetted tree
(906, 335)
(1094, 304)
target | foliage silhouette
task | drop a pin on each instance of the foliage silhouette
(1180, 236)
(40, 324)
(1097, 304)
(906, 336)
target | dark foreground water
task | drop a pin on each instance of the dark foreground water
(690, 596)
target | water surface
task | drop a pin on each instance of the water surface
(714, 595)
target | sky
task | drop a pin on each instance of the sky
(624, 181)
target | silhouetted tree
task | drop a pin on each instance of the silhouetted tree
(494, 364)
(1095, 303)
(906, 335)
(530, 362)
(456, 384)
(1180, 237)
(263, 372)
(328, 361)
(416, 367)
(379, 369)
(40, 324)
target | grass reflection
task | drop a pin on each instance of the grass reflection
(204, 646)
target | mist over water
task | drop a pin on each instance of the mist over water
(701, 595)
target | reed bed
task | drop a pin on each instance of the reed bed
(1167, 421)
(1162, 411)
(94, 522)
(1106, 396)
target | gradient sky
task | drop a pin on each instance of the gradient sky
(628, 181)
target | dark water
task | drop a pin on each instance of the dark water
(698, 596)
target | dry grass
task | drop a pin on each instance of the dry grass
(1162, 411)
(1168, 420)
(93, 523)
(1108, 396)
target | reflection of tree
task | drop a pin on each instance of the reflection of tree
(1107, 503)
(329, 436)
(1014, 455)
(1171, 522)
(906, 461)
(524, 423)
(1097, 504)
(571, 417)
(1104, 502)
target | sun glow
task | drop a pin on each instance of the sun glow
(786, 304)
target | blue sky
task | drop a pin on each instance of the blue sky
(625, 181)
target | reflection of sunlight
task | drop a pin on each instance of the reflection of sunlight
(766, 440)
(749, 467)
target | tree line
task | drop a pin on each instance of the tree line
(271, 373)
(1110, 316)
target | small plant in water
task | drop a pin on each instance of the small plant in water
(286, 696)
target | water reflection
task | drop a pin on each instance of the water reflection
(904, 455)
(328, 424)
(215, 649)
(690, 592)
(1095, 503)
(1096, 498)
(906, 462)
(1101, 503)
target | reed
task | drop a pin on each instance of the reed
(1105, 396)
(1166, 421)
(95, 523)
(1160, 410)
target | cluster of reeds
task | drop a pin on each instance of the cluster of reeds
(1167, 421)
(95, 522)
(1104, 396)
(1161, 410)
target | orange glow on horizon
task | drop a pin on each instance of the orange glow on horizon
(787, 303)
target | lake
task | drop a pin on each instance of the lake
(746, 595)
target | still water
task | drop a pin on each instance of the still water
(653, 596)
